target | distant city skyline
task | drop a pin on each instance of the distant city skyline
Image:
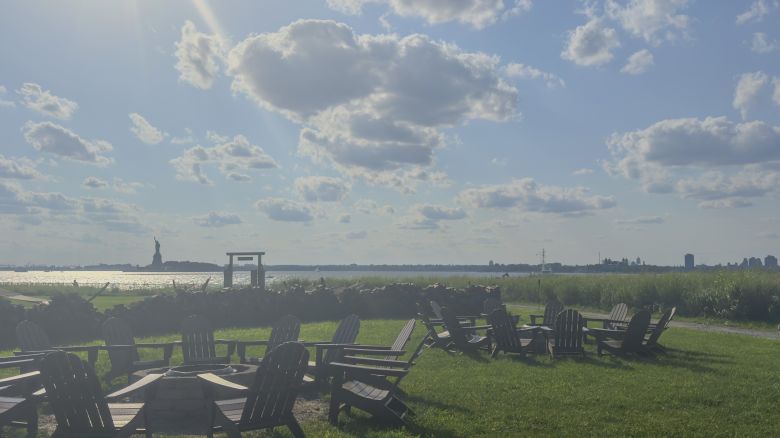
(357, 131)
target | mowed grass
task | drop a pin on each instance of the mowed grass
(708, 384)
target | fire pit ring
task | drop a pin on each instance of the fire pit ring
(194, 370)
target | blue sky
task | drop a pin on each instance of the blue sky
(389, 131)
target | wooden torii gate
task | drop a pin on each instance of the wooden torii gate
(257, 275)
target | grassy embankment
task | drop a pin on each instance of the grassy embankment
(708, 385)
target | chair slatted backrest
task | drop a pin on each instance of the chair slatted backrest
(74, 394)
(277, 381)
(346, 333)
(286, 329)
(551, 311)
(403, 338)
(489, 305)
(197, 339)
(458, 335)
(659, 328)
(117, 332)
(568, 332)
(635, 332)
(31, 337)
(436, 309)
(618, 313)
(504, 333)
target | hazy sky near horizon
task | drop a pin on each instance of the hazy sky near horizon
(389, 131)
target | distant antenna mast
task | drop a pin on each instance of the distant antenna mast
(545, 269)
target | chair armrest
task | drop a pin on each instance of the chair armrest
(17, 363)
(257, 342)
(366, 370)
(476, 327)
(371, 352)
(138, 385)
(215, 381)
(357, 360)
(373, 347)
(533, 319)
(21, 378)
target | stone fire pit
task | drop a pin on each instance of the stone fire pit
(179, 406)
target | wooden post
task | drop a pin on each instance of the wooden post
(228, 281)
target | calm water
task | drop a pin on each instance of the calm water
(140, 280)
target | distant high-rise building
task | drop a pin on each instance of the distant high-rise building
(689, 261)
(770, 261)
(754, 262)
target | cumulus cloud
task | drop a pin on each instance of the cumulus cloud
(144, 130)
(757, 11)
(231, 156)
(196, 56)
(583, 171)
(652, 20)
(638, 63)
(477, 13)
(345, 219)
(776, 93)
(591, 44)
(428, 216)
(371, 105)
(42, 101)
(522, 71)
(218, 219)
(56, 140)
(127, 187)
(18, 168)
(747, 90)
(284, 210)
(321, 188)
(644, 220)
(5, 103)
(717, 190)
(762, 44)
(527, 195)
(93, 182)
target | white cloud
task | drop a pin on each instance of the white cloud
(477, 13)
(185, 139)
(5, 103)
(428, 216)
(218, 219)
(652, 20)
(747, 90)
(197, 55)
(762, 44)
(591, 44)
(321, 188)
(144, 130)
(284, 210)
(127, 187)
(583, 171)
(717, 190)
(19, 168)
(757, 11)
(42, 101)
(638, 63)
(93, 182)
(644, 220)
(776, 93)
(522, 71)
(57, 140)
(345, 219)
(231, 156)
(527, 195)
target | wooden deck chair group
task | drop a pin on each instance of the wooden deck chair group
(435, 335)
(32, 339)
(551, 311)
(80, 408)
(567, 334)
(463, 337)
(123, 350)
(286, 329)
(631, 340)
(506, 337)
(17, 406)
(198, 345)
(268, 401)
(326, 352)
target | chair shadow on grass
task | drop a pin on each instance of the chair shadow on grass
(359, 423)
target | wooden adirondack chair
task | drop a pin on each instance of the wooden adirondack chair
(508, 338)
(616, 317)
(356, 356)
(632, 338)
(350, 389)
(268, 401)
(17, 406)
(434, 337)
(464, 337)
(651, 342)
(286, 329)
(74, 394)
(198, 345)
(326, 352)
(123, 351)
(464, 319)
(567, 335)
(551, 311)
(32, 339)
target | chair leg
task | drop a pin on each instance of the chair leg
(295, 428)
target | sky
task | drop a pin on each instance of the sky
(389, 131)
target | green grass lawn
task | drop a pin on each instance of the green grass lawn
(708, 384)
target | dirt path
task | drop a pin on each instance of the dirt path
(765, 334)
(19, 297)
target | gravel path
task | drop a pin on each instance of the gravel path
(19, 297)
(765, 334)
